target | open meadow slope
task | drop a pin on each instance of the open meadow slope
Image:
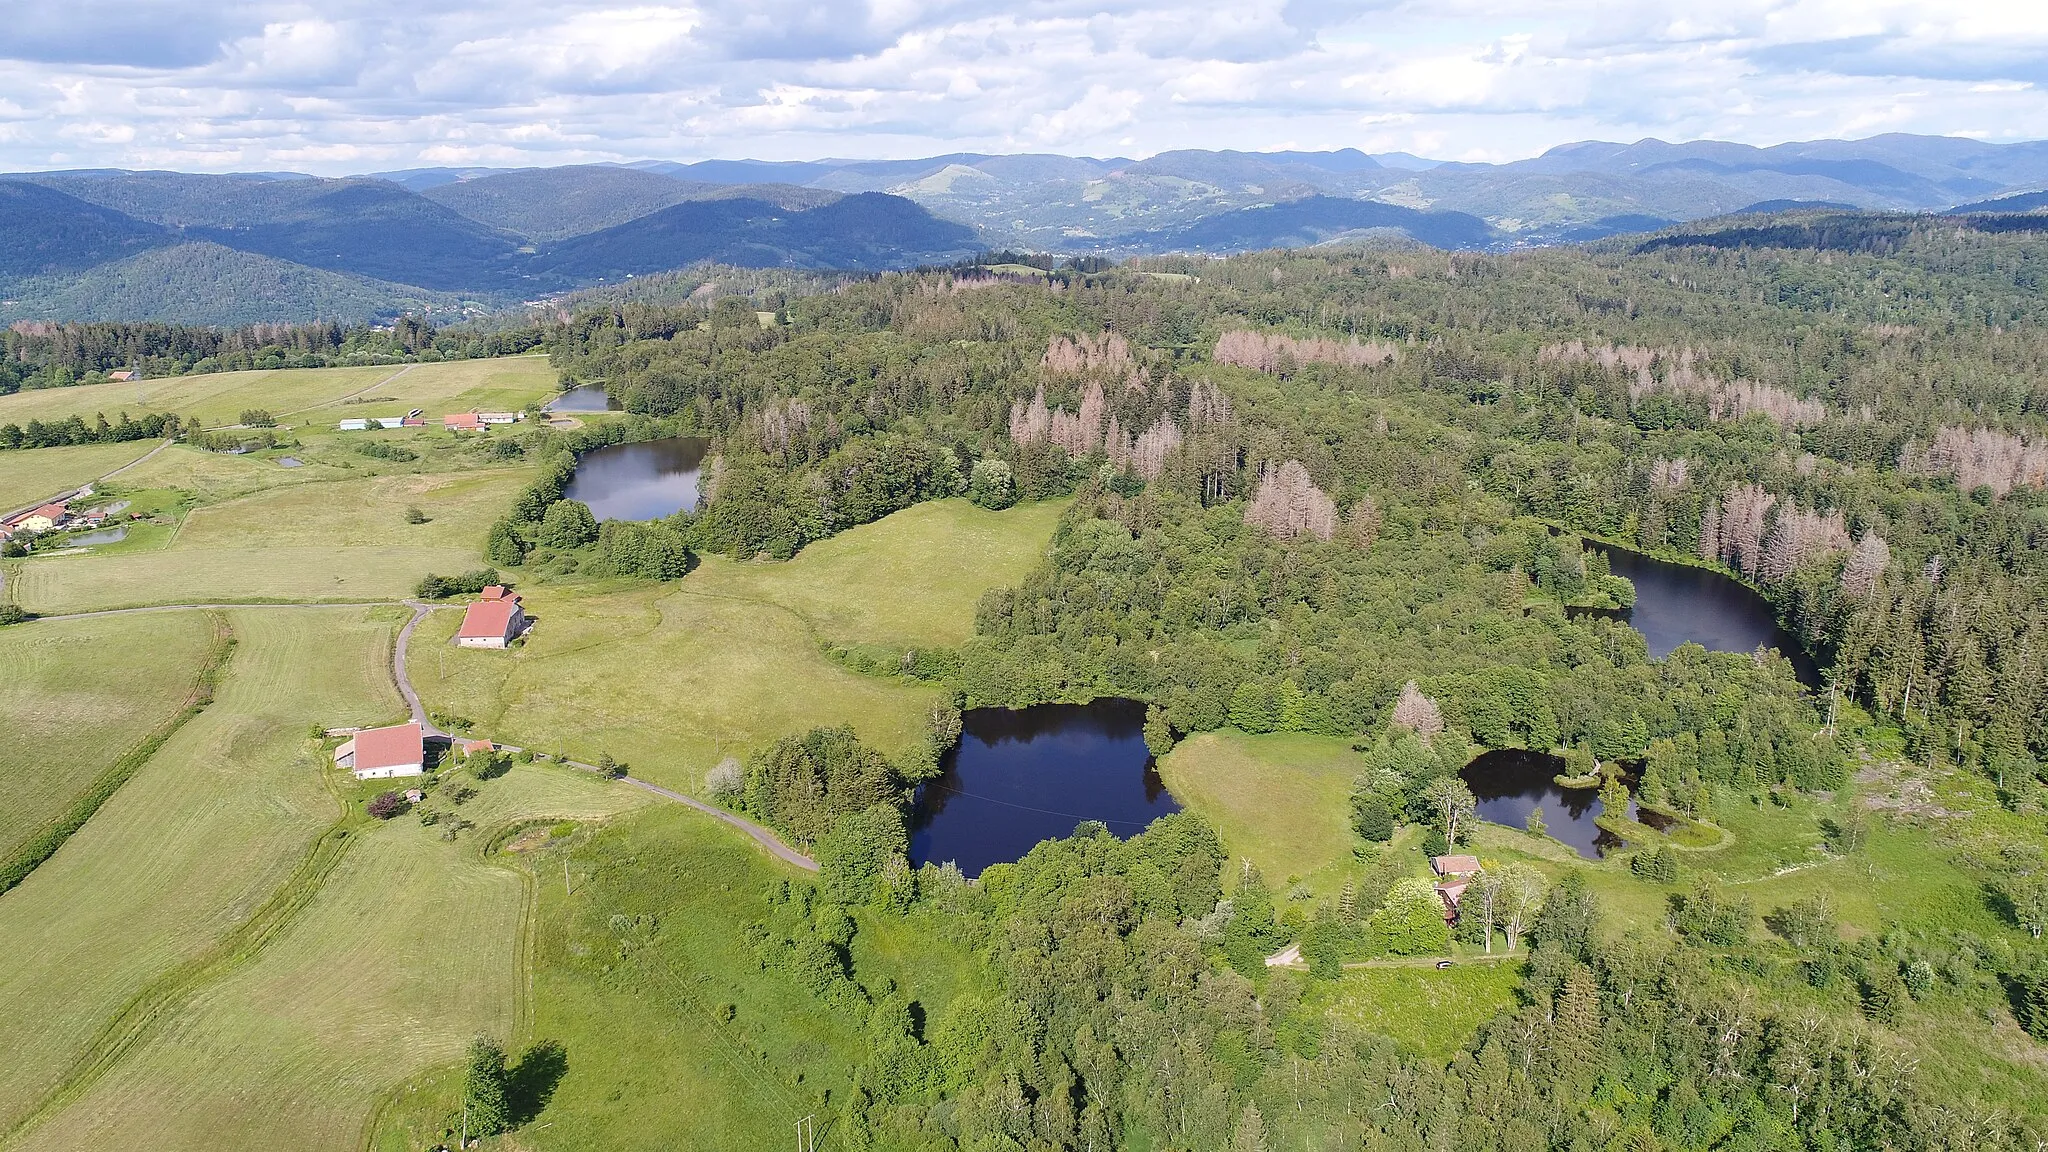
(1281, 801)
(412, 945)
(40, 473)
(308, 395)
(662, 678)
(341, 541)
(210, 398)
(909, 579)
(671, 1033)
(193, 846)
(79, 695)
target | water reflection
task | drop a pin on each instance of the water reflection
(644, 481)
(1025, 775)
(1510, 783)
(584, 398)
(1677, 604)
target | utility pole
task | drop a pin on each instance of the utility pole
(807, 1134)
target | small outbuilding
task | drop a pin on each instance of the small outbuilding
(1454, 865)
(354, 425)
(381, 753)
(494, 621)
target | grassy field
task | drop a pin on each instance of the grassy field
(1283, 801)
(412, 946)
(630, 975)
(1428, 1012)
(340, 541)
(193, 846)
(507, 384)
(40, 473)
(672, 678)
(660, 677)
(214, 399)
(909, 579)
(77, 695)
(312, 395)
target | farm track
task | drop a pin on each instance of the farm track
(350, 396)
(759, 834)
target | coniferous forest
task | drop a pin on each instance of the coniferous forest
(1370, 495)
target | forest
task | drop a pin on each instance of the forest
(1357, 494)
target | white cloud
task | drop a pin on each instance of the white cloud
(269, 84)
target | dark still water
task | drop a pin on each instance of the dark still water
(644, 481)
(584, 398)
(1510, 783)
(1676, 603)
(1021, 776)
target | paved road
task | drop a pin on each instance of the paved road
(762, 836)
(412, 698)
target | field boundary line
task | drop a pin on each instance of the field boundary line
(48, 840)
(155, 1002)
(350, 396)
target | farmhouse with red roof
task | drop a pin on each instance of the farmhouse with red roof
(493, 621)
(380, 753)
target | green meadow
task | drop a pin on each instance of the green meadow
(32, 475)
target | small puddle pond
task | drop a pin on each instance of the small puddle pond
(1025, 775)
(1677, 603)
(584, 398)
(644, 481)
(102, 536)
(1510, 783)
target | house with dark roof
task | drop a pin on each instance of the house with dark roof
(493, 621)
(381, 753)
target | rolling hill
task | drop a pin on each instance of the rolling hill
(867, 231)
(553, 204)
(45, 231)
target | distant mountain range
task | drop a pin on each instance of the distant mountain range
(276, 246)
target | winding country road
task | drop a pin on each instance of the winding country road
(760, 835)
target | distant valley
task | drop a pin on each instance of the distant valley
(232, 249)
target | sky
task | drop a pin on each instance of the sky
(347, 86)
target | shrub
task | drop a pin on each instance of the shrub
(385, 805)
(433, 587)
(568, 524)
(413, 515)
(380, 450)
(12, 614)
(726, 784)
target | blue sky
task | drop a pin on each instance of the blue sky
(347, 86)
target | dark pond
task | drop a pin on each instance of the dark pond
(644, 481)
(1676, 603)
(584, 398)
(1021, 776)
(1509, 783)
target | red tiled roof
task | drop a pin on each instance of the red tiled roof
(494, 592)
(1452, 865)
(462, 420)
(487, 618)
(469, 746)
(388, 747)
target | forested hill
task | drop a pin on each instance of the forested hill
(1351, 494)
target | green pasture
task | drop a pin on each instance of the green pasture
(661, 677)
(909, 579)
(341, 541)
(673, 1035)
(80, 694)
(212, 399)
(1282, 801)
(190, 857)
(507, 384)
(28, 476)
(1427, 1011)
(411, 946)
